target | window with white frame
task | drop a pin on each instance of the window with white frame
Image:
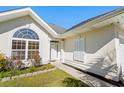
(79, 49)
(33, 49)
(25, 44)
(18, 49)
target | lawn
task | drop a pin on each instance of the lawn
(56, 78)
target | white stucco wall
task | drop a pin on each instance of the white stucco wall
(99, 42)
(8, 28)
(100, 51)
(69, 44)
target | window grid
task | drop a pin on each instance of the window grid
(26, 33)
(33, 49)
(18, 49)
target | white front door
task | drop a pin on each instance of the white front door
(54, 51)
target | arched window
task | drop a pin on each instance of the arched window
(26, 33)
(25, 44)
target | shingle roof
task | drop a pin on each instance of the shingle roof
(93, 18)
(61, 30)
(58, 29)
(14, 9)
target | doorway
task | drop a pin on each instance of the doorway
(53, 50)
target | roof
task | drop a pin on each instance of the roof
(61, 30)
(16, 13)
(14, 9)
(93, 18)
(57, 28)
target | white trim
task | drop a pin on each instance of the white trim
(24, 39)
(87, 26)
(4, 16)
(42, 23)
(10, 48)
(117, 49)
(26, 49)
(56, 44)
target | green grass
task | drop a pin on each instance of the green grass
(28, 70)
(55, 78)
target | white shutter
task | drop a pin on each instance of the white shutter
(79, 49)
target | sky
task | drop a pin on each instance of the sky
(66, 16)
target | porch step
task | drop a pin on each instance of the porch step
(86, 68)
(84, 77)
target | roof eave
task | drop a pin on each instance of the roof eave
(4, 16)
(89, 24)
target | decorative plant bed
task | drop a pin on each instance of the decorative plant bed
(14, 74)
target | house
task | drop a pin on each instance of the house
(95, 45)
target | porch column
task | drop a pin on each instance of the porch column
(62, 51)
(117, 48)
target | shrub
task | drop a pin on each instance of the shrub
(17, 65)
(37, 59)
(9, 64)
(4, 74)
(44, 67)
(71, 82)
(48, 66)
(3, 62)
(2, 57)
(31, 69)
(9, 73)
(12, 72)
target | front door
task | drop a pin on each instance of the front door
(54, 51)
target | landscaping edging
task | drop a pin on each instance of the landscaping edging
(25, 75)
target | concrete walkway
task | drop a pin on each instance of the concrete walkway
(84, 77)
